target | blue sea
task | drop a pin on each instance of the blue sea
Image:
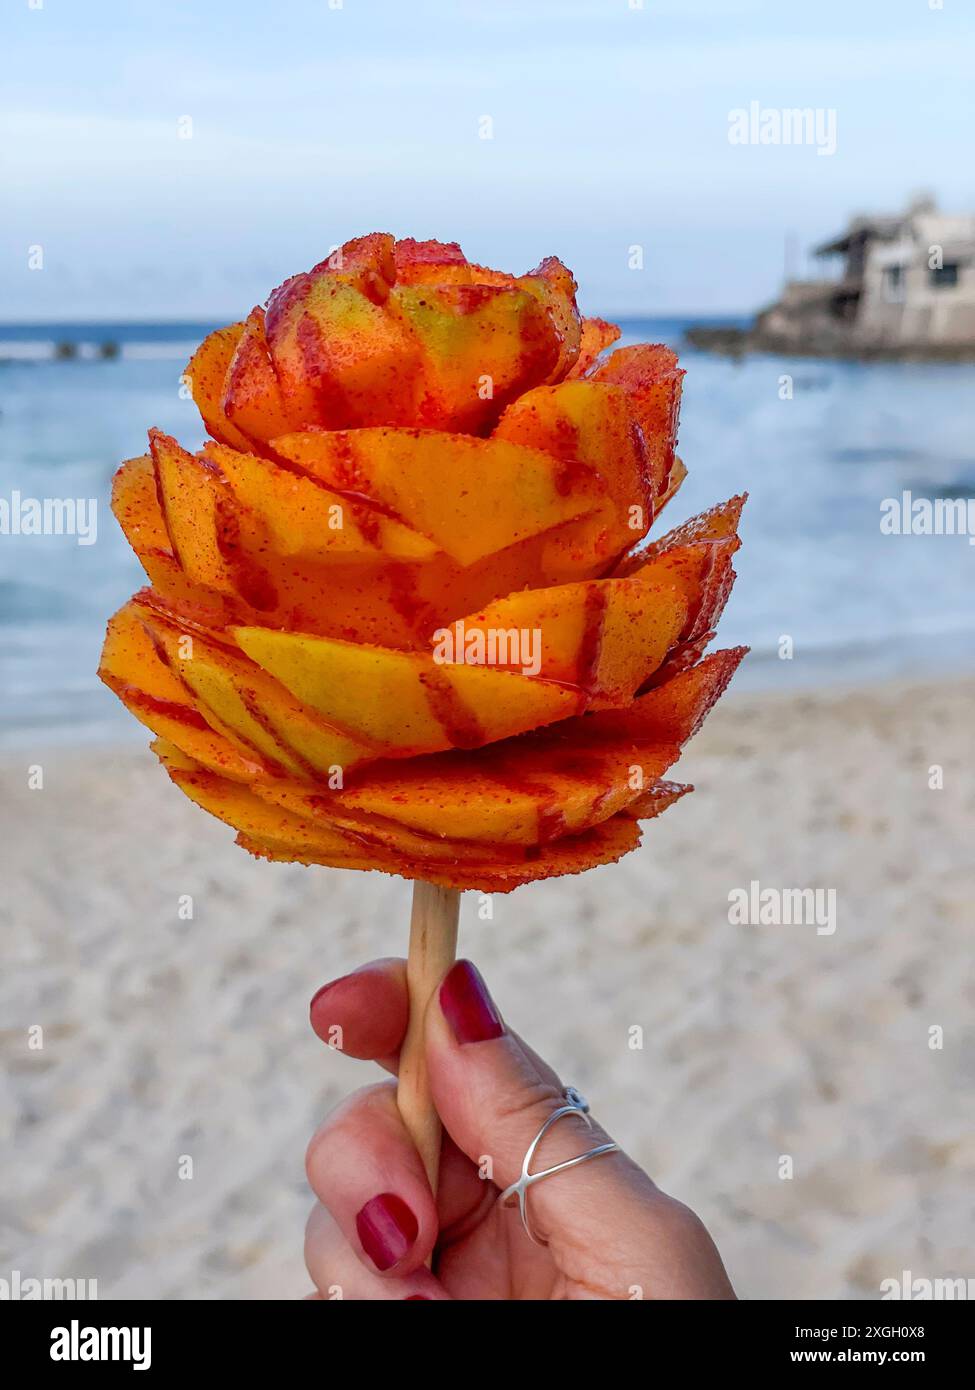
(814, 568)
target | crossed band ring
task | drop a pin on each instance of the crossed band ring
(576, 1104)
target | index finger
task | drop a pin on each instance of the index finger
(365, 1014)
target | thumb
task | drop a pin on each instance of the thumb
(608, 1226)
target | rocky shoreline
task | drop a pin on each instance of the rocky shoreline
(738, 342)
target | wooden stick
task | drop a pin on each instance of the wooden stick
(433, 948)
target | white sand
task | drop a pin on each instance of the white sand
(165, 1037)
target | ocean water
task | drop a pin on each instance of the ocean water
(814, 568)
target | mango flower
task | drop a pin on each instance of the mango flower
(402, 613)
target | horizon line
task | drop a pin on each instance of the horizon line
(220, 320)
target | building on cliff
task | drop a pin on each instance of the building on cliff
(906, 290)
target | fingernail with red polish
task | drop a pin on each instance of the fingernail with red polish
(467, 1006)
(387, 1228)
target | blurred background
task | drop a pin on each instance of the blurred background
(165, 166)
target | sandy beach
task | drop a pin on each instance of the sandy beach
(166, 1038)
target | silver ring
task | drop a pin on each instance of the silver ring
(576, 1104)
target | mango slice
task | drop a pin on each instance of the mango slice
(135, 505)
(252, 398)
(471, 497)
(652, 379)
(402, 703)
(197, 513)
(529, 793)
(605, 637)
(675, 709)
(656, 800)
(291, 513)
(139, 673)
(603, 844)
(206, 373)
(588, 424)
(270, 830)
(596, 336)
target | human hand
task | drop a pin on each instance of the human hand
(612, 1234)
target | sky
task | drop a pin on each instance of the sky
(312, 121)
